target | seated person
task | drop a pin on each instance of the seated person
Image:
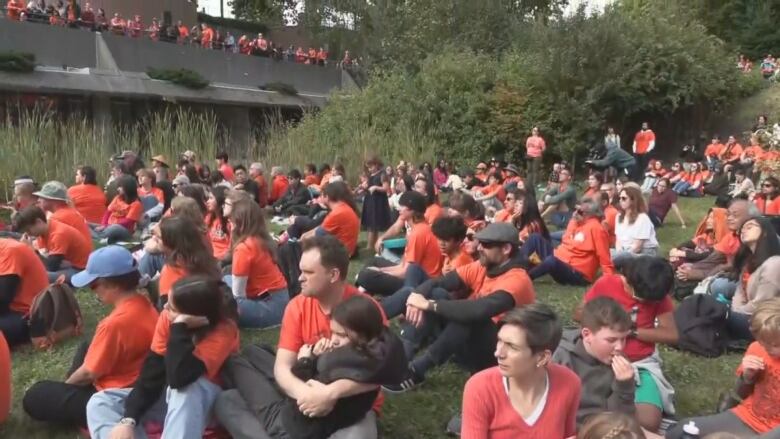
(246, 184)
(123, 213)
(690, 183)
(560, 201)
(360, 349)
(217, 223)
(62, 248)
(24, 190)
(53, 199)
(390, 245)
(113, 358)
(22, 277)
(295, 197)
(307, 320)
(709, 232)
(550, 393)
(527, 219)
(464, 306)
(642, 289)
(150, 195)
(743, 186)
(492, 195)
(595, 353)
(342, 220)
(584, 247)
(655, 172)
(634, 231)
(506, 215)
(768, 200)
(87, 197)
(279, 184)
(257, 283)
(757, 381)
(661, 201)
(179, 379)
(384, 278)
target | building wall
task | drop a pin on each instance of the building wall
(183, 10)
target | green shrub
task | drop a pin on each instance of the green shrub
(17, 62)
(280, 87)
(184, 77)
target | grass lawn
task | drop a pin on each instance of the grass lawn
(423, 412)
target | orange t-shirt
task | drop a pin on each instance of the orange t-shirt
(432, 213)
(121, 210)
(169, 275)
(754, 152)
(422, 248)
(278, 188)
(643, 139)
(462, 259)
(759, 409)
(220, 241)
(73, 218)
(713, 150)
(584, 247)
(343, 223)
(728, 245)
(768, 208)
(212, 350)
(19, 259)
(252, 260)
(262, 190)
(5, 379)
(731, 154)
(154, 191)
(227, 172)
(503, 216)
(610, 217)
(89, 200)
(64, 240)
(304, 322)
(311, 179)
(515, 282)
(121, 343)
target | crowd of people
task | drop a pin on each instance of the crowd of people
(185, 255)
(72, 14)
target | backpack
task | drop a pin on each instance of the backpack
(54, 316)
(701, 325)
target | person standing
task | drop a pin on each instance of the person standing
(376, 208)
(534, 148)
(644, 142)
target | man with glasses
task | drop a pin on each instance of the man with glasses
(464, 305)
(661, 201)
(560, 201)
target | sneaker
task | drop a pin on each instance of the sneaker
(412, 380)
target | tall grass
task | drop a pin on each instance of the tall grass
(45, 147)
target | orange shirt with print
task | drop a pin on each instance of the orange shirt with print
(169, 275)
(220, 240)
(73, 218)
(515, 282)
(121, 210)
(253, 261)
(154, 191)
(759, 409)
(304, 323)
(460, 260)
(422, 248)
(212, 350)
(21, 260)
(585, 247)
(64, 240)
(343, 223)
(89, 200)
(121, 343)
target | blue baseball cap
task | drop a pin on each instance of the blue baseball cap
(108, 261)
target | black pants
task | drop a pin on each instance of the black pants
(376, 282)
(14, 327)
(640, 167)
(471, 346)
(60, 403)
(301, 225)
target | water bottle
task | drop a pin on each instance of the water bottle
(690, 431)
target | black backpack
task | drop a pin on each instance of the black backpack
(701, 325)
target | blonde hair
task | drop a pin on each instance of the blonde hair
(248, 222)
(766, 319)
(611, 425)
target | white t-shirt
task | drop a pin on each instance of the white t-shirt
(641, 229)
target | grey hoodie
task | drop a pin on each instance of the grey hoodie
(600, 390)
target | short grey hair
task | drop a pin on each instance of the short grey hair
(591, 207)
(277, 170)
(257, 166)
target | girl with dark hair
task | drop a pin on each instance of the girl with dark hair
(217, 224)
(755, 277)
(527, 218)
(257, 282)
(767, 201)
(440, 174)
(376, 208)
(361, 349)
(195, 335)
(634, 230)
(197, 192)
(122, 215)
(88, 198)
(595, 180)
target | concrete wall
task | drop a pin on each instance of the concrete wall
(52, 46)
(183, 10)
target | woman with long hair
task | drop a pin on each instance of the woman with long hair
(655, 171)
(634, 231)
(595, 180)
(87, 197)
(440, 174)
(195, 335)
(257, 282)
(768, 201)
(527, 218)
(123, 213)
(691, 182)
(197, 192)
(376, 208)
(186, 253)
(216, 222)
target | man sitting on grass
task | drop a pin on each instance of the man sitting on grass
(22, 277)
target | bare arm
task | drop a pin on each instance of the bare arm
(636, 246)
(81, 377)
(289, 383)
(665, 332)
(678, 214)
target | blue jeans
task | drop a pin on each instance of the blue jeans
(184, 413)
(723, 289)
(68, 272)
(681, 187)
(620, 256)
(261, 312)
(113, 233)
(151, 264)
(560, 271)
(560, 219)
(535, 244)
(556, 237)
(395, 304)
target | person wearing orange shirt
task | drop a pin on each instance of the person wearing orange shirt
(322, 57)
(383, 277)
(257, 283)
(466, 304)
(152, 197)
(261, 46)
(307, 320)
(63, 249)
(610, 211)
(506, 215)
(223, 166)
(122, 215)
(22, 277)
(310, 176)
(206, 41)
(135, 27)
(312, 56)
(768, 200)
(184, 32)
(279, 184)
(53, 199)
(758, 381)
(300, 55)
(194, 336)
(217, 224)
(342, 221)
(644, 143)
(584, 247)
(14, 9)
(256, 172)
(534, 148)
(713, 151)
(113, 358)
(87, 197)
(731, 152)
(118, 24)
(751, 155)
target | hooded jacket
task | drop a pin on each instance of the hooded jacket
(600, 391)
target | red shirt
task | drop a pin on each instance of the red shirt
(611, 285)
(278, 188)
(227, 172)
(89, 200)
(488, 412)
(642, 140)
(759, 409)
(771, 207)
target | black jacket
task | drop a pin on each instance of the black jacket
(294, 196)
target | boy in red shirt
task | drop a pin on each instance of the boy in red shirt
(223, 166)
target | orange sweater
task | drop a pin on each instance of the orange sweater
(585, 246)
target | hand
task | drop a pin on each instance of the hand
(122, 432)
(191, 321)
(622, 368)
(675, 253)
(322, 346)
(378, 246)
(100, 228)
(318, 401)
(415, 316)
(684, 271)
(418, 301)
(751, 365)
(305, 351)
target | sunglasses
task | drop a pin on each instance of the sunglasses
(489, 245)
(470, 237)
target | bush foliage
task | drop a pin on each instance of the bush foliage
(184, 77)
(17, 62)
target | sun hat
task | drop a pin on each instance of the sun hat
(109, 261)
(53, 190)
(161, 159)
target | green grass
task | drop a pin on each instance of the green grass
(424, 412)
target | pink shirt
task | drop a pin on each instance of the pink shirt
(534, 146)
